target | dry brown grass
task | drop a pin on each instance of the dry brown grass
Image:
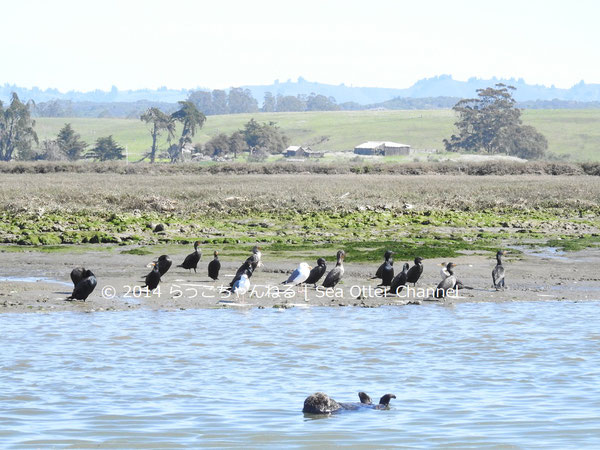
(221, 193)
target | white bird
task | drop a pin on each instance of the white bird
(241, 286)
(299, 275)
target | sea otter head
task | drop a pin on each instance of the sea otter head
(320, 403)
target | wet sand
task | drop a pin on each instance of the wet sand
(33, 281)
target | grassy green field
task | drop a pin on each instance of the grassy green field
(575, 133)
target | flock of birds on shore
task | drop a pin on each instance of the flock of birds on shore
(85, 282)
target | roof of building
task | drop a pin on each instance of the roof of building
(375, 144)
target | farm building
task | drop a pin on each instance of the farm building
(384, 148)
(298, 151)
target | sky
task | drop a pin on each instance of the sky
(131, 44)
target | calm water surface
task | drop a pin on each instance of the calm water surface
(480, 375)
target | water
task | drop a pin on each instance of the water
(480, 375)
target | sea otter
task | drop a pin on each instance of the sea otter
(321, 403)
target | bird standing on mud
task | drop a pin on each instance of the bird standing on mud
(335, 275)
(317, 272)
(498, 272)
(164, 264)
(444, 272)
(249, 266)
(386, 270)
(214, 266)
(84, 286)
(414, 273)
(77, 275)
(153, 278)
(299, 276)
(241, 286)
(447, 283)
(399, 280)
(191, 261)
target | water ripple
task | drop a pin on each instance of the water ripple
(475, 375)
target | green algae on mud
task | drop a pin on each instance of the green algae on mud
(364, 234)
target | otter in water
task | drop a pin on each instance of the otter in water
(321, 403)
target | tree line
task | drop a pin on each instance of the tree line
(239, 100)
(490, 123)
(17, 135)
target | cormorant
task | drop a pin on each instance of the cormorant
(399, 280)
(447, 283)
(164, 264)
(191, 261)
(84, 287)
(335, 275)
(249, 266)
(317, 272)
(445, 274)
(498, 272)
(77, 275)
(214, 266)
(300, 275)
(386, 270)
(153, 278)
(414, 273)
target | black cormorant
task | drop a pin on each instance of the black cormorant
(335, 275)
(414, 273)
(164, 264)
(386, 270)
(317, 272)
(498, 272)
(77, 275)
(84, 287)
(191, 261)
(447, 283)
(214, 266)
(153, 278)
(399, 280)
(248, 266)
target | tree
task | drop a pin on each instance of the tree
(526, 142)
(318, 102)
(237, 143)
(159, 122)
(70, 143)
(290, 103)
(491, 123)
(219, 102)
(269, 104)
(202, 100)
(217, 146)
(106, 149)
(16, 129)
(241, 101)
(191, 119)
(266, 137)
(50, 151)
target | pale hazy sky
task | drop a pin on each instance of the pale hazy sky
(87, 45)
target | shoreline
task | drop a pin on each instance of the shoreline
(39, 282)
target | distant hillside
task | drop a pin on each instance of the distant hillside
(441, 86)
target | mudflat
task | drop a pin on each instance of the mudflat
(35, 281)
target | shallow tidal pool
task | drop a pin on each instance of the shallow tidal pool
(482, 375)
